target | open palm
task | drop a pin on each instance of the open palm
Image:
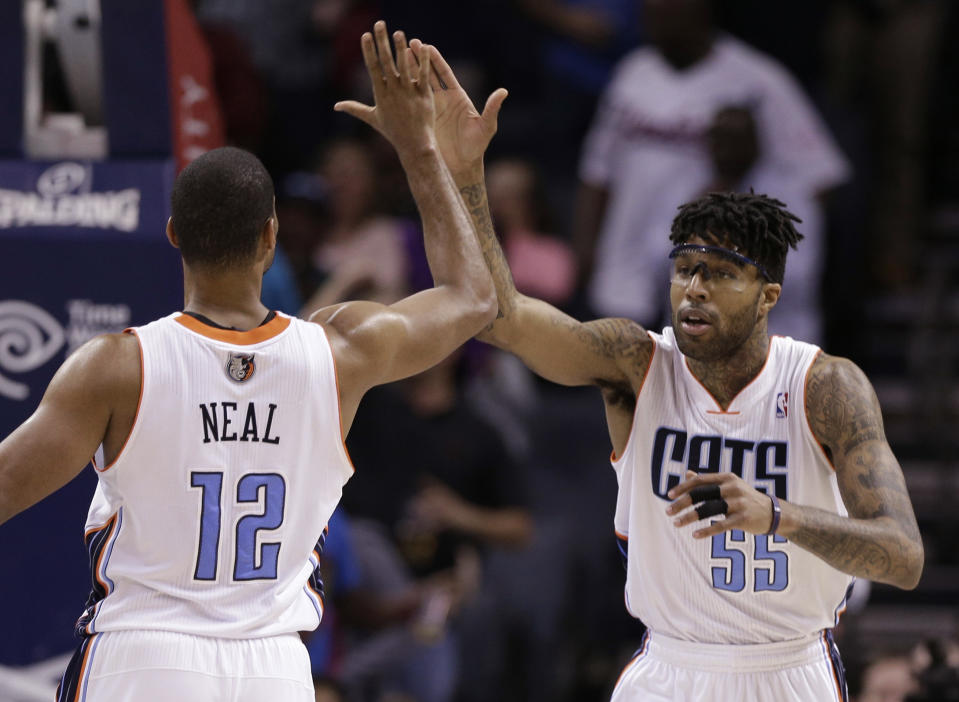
(461, 132)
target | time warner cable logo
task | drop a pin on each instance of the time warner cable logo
(29, 337)
(64, 198)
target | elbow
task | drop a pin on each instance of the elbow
(909, 571)
(485, 307)
(913, 571)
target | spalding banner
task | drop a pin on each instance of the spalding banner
(84, 253)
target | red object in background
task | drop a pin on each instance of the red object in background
(195, 115)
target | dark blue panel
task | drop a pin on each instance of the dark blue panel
(78, 198)
(11, 80)
(136, 90)
(64, 285)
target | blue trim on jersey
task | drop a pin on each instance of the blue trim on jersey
(314, 587)
(623, 545)
(99, 546)
(841, 607)
(835, 664)
(77, 673)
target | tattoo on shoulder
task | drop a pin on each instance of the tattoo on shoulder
(841, 405)
(620, 340)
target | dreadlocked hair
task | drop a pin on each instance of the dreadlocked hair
(758, 226)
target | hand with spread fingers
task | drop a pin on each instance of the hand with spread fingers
(403, 111)
(704, 495)
(462, 132)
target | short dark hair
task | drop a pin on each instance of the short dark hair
(219, 205)
(759, 226)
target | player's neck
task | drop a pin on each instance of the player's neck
(229, 298)
(726, 377)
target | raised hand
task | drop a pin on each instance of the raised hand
(403, 111)
(461, 132)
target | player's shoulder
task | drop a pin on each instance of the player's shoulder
(107, 349)
(832, 378)
(104, 367)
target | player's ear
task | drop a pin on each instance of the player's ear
(268, 234)
(171, 234)
(770, 296)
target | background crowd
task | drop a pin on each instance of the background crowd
(473, 555)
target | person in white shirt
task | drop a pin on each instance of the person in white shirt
(755, 480)
(648, 151)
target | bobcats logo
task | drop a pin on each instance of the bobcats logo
(240, 367)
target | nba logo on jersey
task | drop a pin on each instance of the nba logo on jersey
(240, 366)
(782, 405)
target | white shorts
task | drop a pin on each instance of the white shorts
(162, 666)
(669, 670)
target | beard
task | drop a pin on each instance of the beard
(727, 339)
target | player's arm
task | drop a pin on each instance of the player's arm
(373, 343)
(880, 539)
(607, 352)
(49, 449)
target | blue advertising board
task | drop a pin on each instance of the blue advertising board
(83, 253)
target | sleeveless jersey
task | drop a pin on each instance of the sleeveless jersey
(735, 587)
(212, 518)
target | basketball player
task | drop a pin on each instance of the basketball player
(755, 482)
(222, 429)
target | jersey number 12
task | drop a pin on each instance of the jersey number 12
(249, 562)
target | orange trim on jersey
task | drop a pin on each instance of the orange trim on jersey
(81, 677)
(805, 382)
(832, 667)
(635, 659)
(272, 328)
(339, 408)
(109, 526)
(624, 537)
(769, 350)
(642, 384)
(136, 416)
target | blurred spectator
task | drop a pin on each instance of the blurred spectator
(300, 49)
(328, 690)
(582, 41)
(543, 265)
(888, 678)
(649, 150)
(442, 488)
(937, 664)
(279, 285)
(882, 58)
(243, 96)
(362, 253)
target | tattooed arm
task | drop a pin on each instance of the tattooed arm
(611, 353)
(880, 539)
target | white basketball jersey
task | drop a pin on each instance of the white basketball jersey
(211, 520)
(736, 587)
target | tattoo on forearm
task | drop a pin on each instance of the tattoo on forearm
(476, 202)
(881, 539)
(873, 550)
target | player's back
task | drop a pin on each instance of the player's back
(210, 521)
